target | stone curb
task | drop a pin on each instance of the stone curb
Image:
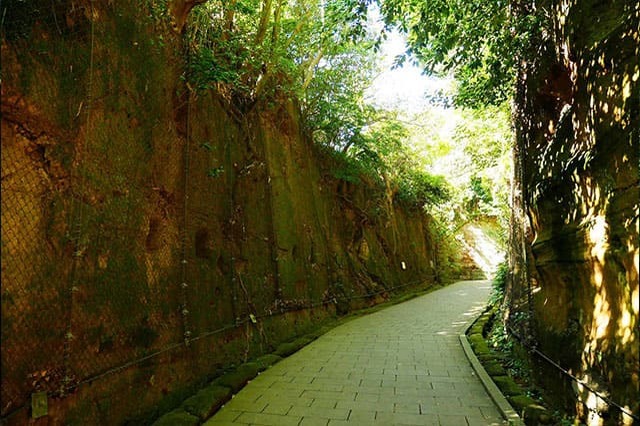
(498, 398)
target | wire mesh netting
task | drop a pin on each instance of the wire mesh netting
(88, 283)
(33, 313)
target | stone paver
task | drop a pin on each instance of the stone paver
(399, 366)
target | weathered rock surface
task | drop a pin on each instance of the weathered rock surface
(578, 136)
(137, 214)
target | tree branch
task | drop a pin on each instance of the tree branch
(179, 11)
(264, 21)
(308, 73)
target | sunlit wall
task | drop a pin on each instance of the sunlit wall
(577, 117)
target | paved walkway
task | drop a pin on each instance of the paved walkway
(403, 365)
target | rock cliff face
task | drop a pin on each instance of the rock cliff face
(578, 140)
(138, 216)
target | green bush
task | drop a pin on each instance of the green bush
(206, 68)
(499, 283)
(419, 187)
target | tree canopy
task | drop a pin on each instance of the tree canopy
(478, 41)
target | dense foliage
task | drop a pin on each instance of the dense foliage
(322, 54)
(478, 41)
(325, 54)
(266, 47)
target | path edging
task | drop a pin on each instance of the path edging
(498, 398)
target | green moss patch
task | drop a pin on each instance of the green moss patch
(478, 344)
(520, 402)
(177, 417)
(207, 401)
(494, 368)
(484, 358)
(478, 326)
(531, 412)
(267, 361)
(288, 348)
(238, 378)
(507, 385)
(313, 335)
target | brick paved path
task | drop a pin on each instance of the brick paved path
(402, 365)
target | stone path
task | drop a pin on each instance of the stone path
(403, 365)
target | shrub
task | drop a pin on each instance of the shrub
(499, 283)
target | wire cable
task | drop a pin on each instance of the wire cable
(571, 376)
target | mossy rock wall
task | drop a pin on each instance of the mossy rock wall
(578, 132)
(136, 213)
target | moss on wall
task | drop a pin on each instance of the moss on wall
(140, 212)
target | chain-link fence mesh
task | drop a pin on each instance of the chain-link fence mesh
(89, 281)
(36, 246)
(33, 311)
